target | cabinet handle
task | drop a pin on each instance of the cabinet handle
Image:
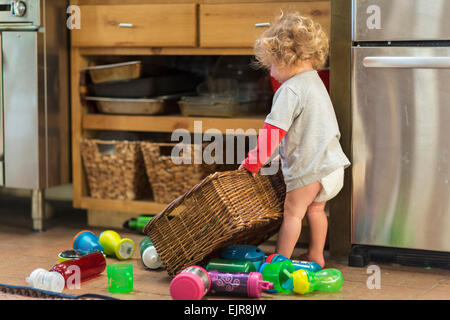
(262, 24)
(126, 25)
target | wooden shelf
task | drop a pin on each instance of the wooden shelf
(168, 123)
(137, 206)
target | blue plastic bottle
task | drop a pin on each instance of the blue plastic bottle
(244, 252)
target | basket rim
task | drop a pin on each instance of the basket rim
(186, 195)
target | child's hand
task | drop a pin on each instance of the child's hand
(241, 167)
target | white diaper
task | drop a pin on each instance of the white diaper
(331, 185)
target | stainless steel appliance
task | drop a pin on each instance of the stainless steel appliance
(34, 135)
(400, 96)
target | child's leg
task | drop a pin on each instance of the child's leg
(318, 226)
(295, 206)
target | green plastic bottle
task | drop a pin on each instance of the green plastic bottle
(233, 266)
(138, 224)
(149, 256)
(328, 280)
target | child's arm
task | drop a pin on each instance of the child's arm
(268, 140)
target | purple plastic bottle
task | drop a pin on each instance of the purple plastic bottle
(238, 284)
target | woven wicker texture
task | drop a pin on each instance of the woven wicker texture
(114, 169)
(226, 208)
(169, 180)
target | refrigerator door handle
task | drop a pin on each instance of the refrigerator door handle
(407, 62)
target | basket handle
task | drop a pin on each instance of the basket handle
(106, 148)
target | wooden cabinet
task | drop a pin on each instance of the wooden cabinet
(238, 25)
(148, 25)
(123, 29)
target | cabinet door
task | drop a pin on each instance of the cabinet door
(168, 25)
(238, 25)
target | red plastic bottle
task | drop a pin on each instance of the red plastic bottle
(89, 265)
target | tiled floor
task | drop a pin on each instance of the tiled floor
(23, 251)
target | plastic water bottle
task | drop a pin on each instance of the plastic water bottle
(115, 246)
(328, 280)
(138, 224)
(190, 284)
(60, 275)
(238, 284)
(233, 266)
(149, 256)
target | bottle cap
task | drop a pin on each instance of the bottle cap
(300, 281)
(46, 280)
(189, 285)
(125, 249)
(151, 259)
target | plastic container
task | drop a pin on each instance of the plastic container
(62, 274)
(114, 245)
(305, 265)
(227, 265)
(280, 274)
(90, 265)
(244, 252)
(69, 255)
(238, 284)
(328, 280)
(149, 256)
(86, 241)
(138, 224)
(120, 277)
(190, 284)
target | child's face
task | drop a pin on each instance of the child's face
(279, 74)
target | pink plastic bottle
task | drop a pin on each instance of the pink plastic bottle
(238, 284)
(190, 284)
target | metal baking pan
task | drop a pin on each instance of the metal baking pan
(216, 107)
(145, 87)
(142, 106)
(115, 72)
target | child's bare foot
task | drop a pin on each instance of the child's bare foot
(319, 259)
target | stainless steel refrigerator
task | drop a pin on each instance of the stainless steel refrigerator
(400, 109)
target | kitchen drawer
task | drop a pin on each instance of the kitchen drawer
(168, 25)
(233, 25)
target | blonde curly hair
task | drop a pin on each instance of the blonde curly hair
(291, 39)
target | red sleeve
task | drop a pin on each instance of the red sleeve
(268, 140)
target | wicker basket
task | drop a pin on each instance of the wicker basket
(226, 208)
(114, 169)
(169, 180)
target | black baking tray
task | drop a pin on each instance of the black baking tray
(145, 87)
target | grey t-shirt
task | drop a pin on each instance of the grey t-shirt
(311, 149)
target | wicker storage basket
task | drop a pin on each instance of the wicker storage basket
(226, 208)
(114, 169)
(169, 180)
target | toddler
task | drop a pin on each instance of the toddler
(302, 119)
